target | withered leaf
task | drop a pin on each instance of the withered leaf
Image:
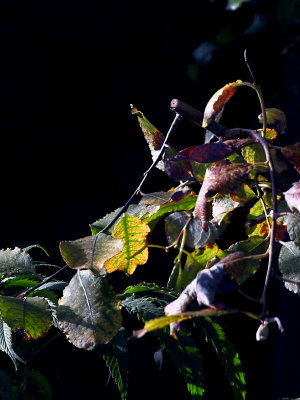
(292, 153)
(221, 178)
(216, 104)
(89, 312)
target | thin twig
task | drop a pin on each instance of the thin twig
(249, 67)
(146, 174)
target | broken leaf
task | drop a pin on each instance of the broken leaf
(216, 104)
(89, 312)
(133, 232)
(90, 252)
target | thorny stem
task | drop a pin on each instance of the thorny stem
(146, 174)
(48, 279)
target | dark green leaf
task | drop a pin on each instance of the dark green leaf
(89, 313)
(196, 236)
(145, 307)
(5, 386)
(115, 355)
(40, 382)
(227, 355)
(147, 288)
(187, 358)
(90, 252)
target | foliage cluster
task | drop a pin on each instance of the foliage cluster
(234, 168)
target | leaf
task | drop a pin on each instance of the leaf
(196, 236)
(211, 152)
(252, 246)
(254, 153)
(16, 262)
(153, 136)
(146, 307)
(198, 260)
(292, 153)
(289, 265)
(199, 169)
(227, 355)
(242, 193)
(292, 222)
(257, 210)
(147, 288)
(6, 343)
(186, 203)
(292, 197)
(187, 358)
(40, 382)
(222, 178)
(18, 282)
(233, 5)
(115, 355)
(275, 118)
(133, 233)
(89, 312)
(216, 104)
(5, 386)
(32, 314)
(90, 252)
(222, 205)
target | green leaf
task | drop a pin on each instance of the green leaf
(6, 343)
(227, 355)
(5, 386)
(222, 205)
(289, 265)
(254, 153)
(32, 314)
(89, 312)
(90, 252)
(133, 233)
(45, 293)
(18, 282)
(257, 210)
(16, 262)
(187, 358)
(196, 236)
(145, 307)
(115, 355)
(197, 261)
(34, 378)
(186, 203)
(252, 246)
(147, 288)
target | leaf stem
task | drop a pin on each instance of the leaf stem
(146, 174)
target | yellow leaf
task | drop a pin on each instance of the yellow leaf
(133, 232)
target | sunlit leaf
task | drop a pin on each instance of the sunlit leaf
(133, 233)
(242, 193)
(227, 355)
(254, 153)
(90, 252)
(115, 355)
(292, 153)
(31, 314)
(217, 103)
(16, 262)
(289, 265)
(199, 169)
(222, 205)
(198, 260)
(6, 343)
(153, 136)
(292, 222)
(149, 289)
(275, 118)
(186, 203)
(270, 135)
(257, 210)
(89, 312)
(196, 236)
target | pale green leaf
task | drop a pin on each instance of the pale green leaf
(6, 343)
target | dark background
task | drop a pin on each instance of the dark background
(71, 152)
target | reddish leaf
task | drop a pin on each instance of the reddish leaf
(216, 104)
(292, 153)
(222, 178)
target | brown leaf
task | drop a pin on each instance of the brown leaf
(292, 153)
(216, 104)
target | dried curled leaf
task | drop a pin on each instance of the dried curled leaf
(222, 178)
(133, 232)
(89, 312)
(292, 197)
(216, 104)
